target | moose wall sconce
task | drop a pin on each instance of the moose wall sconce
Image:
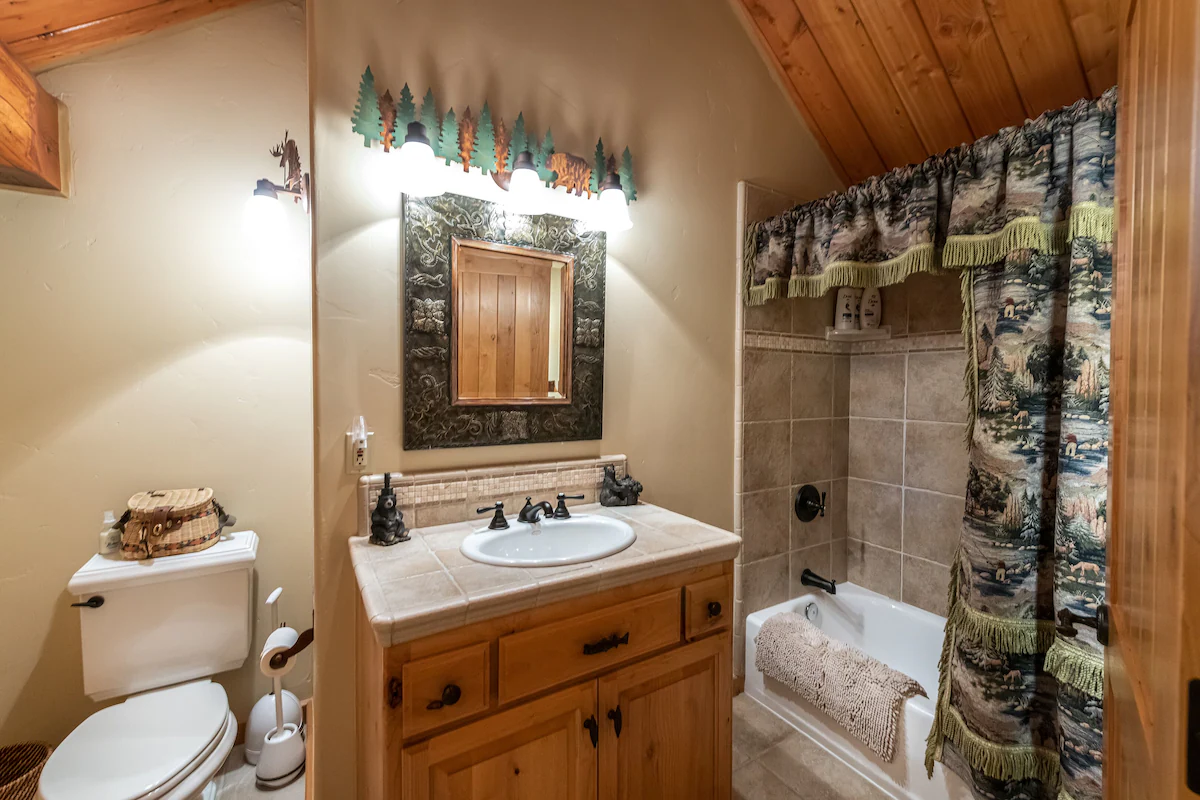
(295, 181)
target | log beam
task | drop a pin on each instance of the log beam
(30, 156)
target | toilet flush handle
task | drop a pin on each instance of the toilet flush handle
(92, 602)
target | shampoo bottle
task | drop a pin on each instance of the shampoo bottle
(872, 309)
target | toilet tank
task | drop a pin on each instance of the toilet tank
(165, 620)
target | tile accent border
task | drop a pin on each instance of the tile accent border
(437, 498)
(794, 343)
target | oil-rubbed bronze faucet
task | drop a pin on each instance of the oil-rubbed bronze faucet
(531, 511)
(810, 578)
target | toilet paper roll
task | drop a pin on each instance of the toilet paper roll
(281, 639)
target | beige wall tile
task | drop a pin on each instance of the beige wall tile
(932, 525)
(894, 300)
(841, 386)
(935, 386)
(812, 385)
(873, 568)
(877, 386)
(765, 583)
(811, 315)
(877, 450)
(765, 526)
(873, 513)
(840, 442)
(925, 585)
(774, 316)
(934, 303)
(766, 464)
(766, 380)
(817, 558)
(440, 513)
(807, 534)
(935, 457)
(836, 507)
(812, 451)
(837, 555)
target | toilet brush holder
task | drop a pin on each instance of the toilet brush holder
(262, 721)
(282, 758)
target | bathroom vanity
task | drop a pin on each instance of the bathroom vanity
(609, 678)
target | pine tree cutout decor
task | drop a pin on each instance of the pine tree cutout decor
(447, 143)
(406, 111)
(626, 174)
(387, 111)
(485, 142)
(466, 140)
(429, 118)
(367, 122)
(597, 168)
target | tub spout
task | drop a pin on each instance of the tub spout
(810, 578)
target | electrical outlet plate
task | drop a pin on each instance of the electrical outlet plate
(358, 460)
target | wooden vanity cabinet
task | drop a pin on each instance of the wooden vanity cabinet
(646, 717)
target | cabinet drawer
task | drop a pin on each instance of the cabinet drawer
(708, 605)
(445, 687)
(552, 654)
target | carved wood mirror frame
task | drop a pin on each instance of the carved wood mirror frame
(430, 419)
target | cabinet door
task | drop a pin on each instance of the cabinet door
(665, 726)
(538, 750)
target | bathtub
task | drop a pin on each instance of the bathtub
(903, 637)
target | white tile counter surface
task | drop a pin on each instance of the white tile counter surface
(426, 585)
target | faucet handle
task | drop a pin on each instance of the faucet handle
(561, 512)
(498, 522)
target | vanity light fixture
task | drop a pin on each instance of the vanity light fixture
(263, 216)
(421, 172)
(612, 212)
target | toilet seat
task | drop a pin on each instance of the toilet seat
(153, 746)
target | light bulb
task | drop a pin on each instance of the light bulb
(526, 193)
(263, 219)
(421, 172)
(612, 211)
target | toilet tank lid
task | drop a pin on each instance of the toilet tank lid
(105, 573)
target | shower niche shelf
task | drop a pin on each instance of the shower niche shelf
(871, 334)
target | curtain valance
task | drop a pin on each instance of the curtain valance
(1035, 186)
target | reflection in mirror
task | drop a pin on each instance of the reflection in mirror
(511, 341)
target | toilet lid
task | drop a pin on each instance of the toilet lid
(128, 750)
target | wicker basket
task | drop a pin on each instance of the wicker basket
(171, 522)
(20, 767)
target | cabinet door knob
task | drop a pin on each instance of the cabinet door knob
(450, 695)
(615, 715)
(593, 729)
(714, 609)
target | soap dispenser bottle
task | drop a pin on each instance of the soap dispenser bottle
(110, 537)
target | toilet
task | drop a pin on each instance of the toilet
(154, 633)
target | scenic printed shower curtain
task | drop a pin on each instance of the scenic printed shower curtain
(1027, 215)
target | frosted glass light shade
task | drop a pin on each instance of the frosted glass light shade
(526, 193)
(421, 173)
(263, 219)
(612, 212)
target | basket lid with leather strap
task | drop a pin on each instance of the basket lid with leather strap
(180, 501)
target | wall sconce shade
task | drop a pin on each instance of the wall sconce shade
(421, 172)
(612, 213)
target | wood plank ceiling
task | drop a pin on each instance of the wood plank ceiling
(884, 83)
(42, 33)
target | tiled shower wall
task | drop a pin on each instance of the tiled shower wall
(877, 425)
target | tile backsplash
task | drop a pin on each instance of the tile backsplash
(436, 498)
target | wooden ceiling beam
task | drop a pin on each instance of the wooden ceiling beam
(111, 22)
(30, 156)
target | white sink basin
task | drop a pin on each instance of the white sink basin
(549, 542)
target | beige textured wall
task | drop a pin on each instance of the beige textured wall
(142, 346)
(680, 83)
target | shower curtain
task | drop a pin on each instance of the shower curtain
(1027, 216)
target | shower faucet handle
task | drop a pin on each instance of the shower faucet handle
(809, 503)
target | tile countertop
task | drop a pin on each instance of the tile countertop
(426, 585)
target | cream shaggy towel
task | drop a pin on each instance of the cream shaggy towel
(860, 693)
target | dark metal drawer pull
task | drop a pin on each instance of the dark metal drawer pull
(615, 716)
(604, 645)
(593, 728)
(450, 695)
(714, 609)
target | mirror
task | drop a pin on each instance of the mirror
(512, 308)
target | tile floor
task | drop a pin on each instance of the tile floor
(772, 761)
(235, 781)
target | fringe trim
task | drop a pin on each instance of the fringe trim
(1093, 221)
(1063, 794)
(1006, 635)
(937, 735)
(999, 761)
(1076, 666)
(971, 376)
(847, 273)
(1023, 233)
